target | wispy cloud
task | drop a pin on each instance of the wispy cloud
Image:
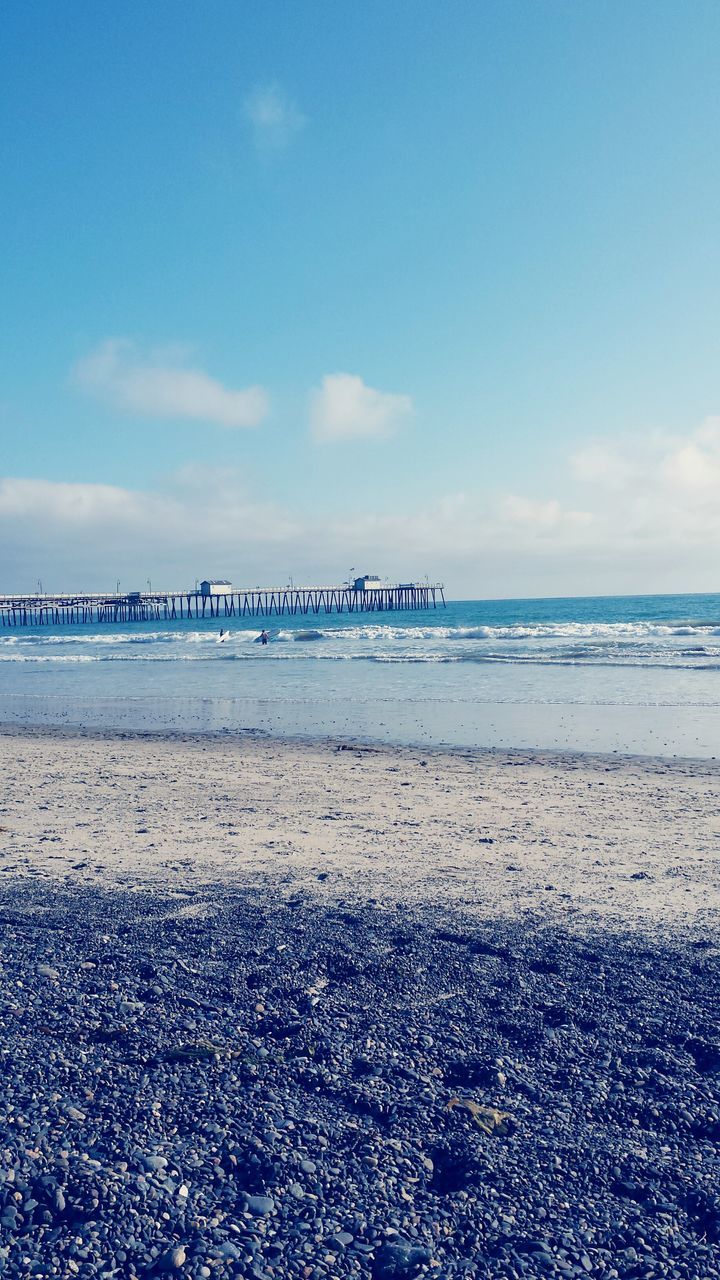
(542, 518)
(678, 468)
(73, 506)
(274, 118)
(82, 533)
(344, 408)
(160, 386)
(644, 517)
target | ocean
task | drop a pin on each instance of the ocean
(631, 674)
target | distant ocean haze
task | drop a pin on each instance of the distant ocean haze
(628, 674)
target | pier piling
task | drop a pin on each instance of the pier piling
(265, 602)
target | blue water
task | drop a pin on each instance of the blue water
(628, 674)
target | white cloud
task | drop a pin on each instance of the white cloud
(695, 464)
(673, 468)
(667, 465)
(599, 463)
(160, 387)
(274, 117)
(542, 517)
(658, 530)
(77, 535)
(693, 468)
(344, 408)
(657, 493)
(71, 506)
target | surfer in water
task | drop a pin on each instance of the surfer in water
(264, 637)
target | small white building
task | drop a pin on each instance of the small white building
(215, 587)
(368, 582)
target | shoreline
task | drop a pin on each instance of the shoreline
(276, 701)
(550, 755)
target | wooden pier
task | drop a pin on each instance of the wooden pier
(265, 602)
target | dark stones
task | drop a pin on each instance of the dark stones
(630, 1190)
(483, 947)
(399, 1260)
(453, 1166)
(268, 1135)
(704, 1210)
(706, 1054)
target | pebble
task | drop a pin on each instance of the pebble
(131, 1125)
(173, 1259)
(228, 1250)
(259, 1206)
(153, 1163)
(47, 971)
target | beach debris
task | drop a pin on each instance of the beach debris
(489, 1119)
(194, 1051)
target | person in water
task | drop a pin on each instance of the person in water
(264, 637)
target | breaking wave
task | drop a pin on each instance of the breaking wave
(582, 633)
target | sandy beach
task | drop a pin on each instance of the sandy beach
(611, 840)
(281, 1009)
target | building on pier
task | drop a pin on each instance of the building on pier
(215, 587)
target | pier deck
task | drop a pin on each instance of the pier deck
(265, 602)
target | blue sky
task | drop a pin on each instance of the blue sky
(423, 287)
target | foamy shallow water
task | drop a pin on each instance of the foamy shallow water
(637, 675)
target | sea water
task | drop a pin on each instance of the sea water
(611, 674)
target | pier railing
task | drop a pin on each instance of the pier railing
(265, 602)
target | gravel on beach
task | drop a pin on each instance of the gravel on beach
(225, 1083)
